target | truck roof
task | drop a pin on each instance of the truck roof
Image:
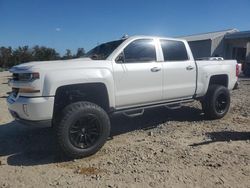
(154, 37)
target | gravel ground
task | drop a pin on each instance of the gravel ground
(162, 148)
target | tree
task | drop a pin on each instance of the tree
(22, 54)
(5, 56)
(80, 52)
(68, 54)
(44, 54)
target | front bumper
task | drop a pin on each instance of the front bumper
(32, 111)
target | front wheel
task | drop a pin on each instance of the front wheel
(216, 102)
(83, 129)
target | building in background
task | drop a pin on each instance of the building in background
(229, 44)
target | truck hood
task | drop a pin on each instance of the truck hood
(61, 64)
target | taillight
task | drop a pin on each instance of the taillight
(237, 69)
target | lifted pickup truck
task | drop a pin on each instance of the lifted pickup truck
(78, 96)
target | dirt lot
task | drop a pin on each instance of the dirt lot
(163, 148)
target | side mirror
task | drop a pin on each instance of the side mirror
(120, 58)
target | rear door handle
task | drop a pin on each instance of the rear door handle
(155, 69)
(189, 67)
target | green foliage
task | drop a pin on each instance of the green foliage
(5, 56)
(2, 69)
(80, 52)
(10, 57)
(68, 55)
(45, 54)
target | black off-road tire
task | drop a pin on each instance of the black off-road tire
(75, 115)
(216, 103)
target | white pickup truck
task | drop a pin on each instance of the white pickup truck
(78, 96)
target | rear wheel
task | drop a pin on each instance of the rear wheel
(83, 129)
(216, 102)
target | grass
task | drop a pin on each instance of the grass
(2, 69)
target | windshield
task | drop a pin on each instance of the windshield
(102, 51)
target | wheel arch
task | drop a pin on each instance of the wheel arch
(92, 92)
(220, 79)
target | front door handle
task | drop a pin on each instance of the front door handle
(189, 67)
(155, 69)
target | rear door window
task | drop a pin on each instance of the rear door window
(174, 50)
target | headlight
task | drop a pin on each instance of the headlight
(26, 76)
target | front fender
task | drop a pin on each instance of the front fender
(58, 78)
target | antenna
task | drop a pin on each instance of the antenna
(125, 36)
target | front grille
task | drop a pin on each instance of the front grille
(15, 76)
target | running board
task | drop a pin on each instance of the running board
(133, 113)
(138, 111)
(173, 106)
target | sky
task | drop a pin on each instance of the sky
(71, 24)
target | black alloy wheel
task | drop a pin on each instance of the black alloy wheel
(221, 103)
(85, 131)
(82, 129)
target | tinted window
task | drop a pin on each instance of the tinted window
(174, 50)
(102, 51)
(142, 50)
